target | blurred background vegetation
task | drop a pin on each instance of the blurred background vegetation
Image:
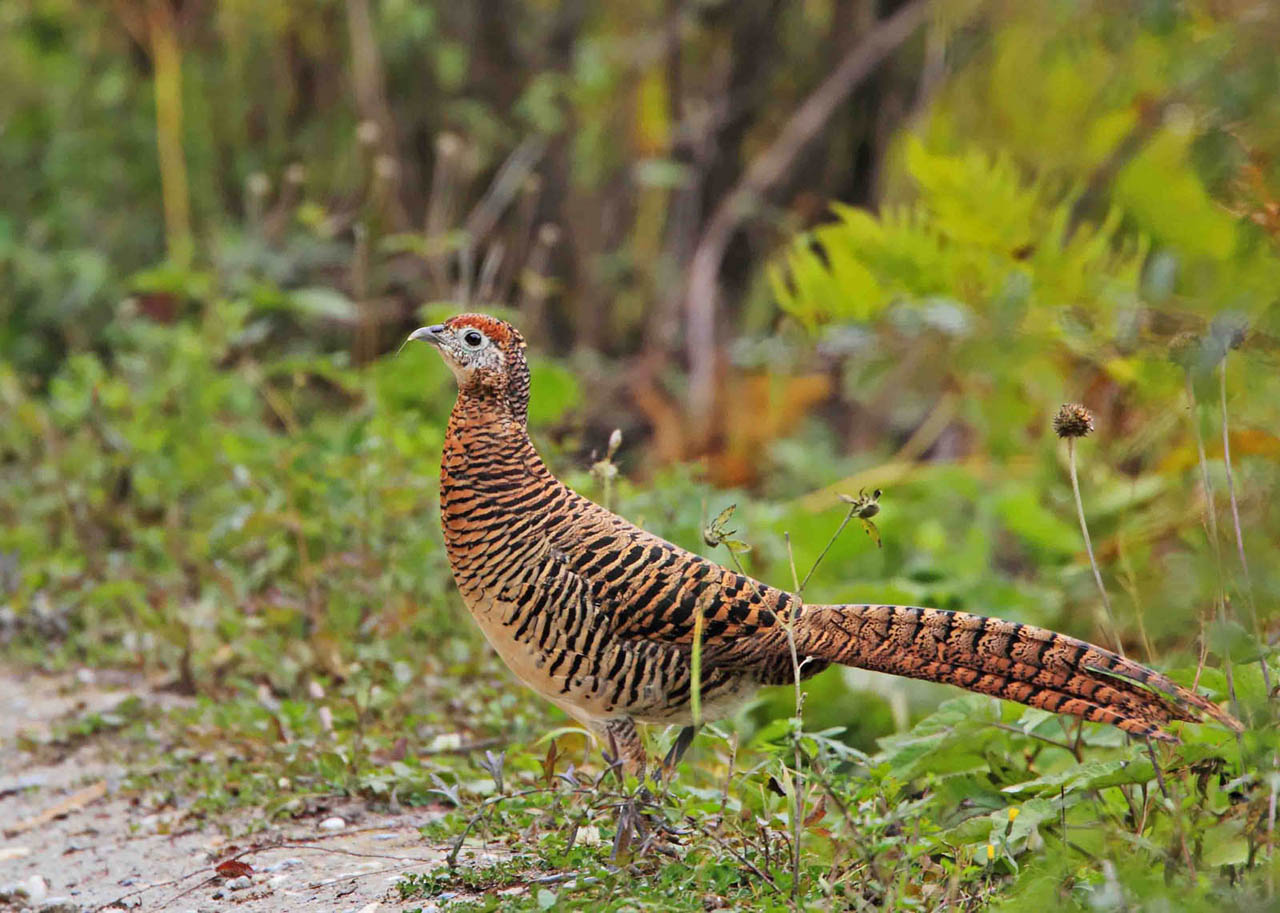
(791, 249)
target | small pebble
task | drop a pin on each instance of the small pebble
(291, 863)
(446, 741)
(240, 884)
(37, 889)
(332, 824)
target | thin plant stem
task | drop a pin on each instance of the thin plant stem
(1211, 519)
(695, 673)
(1271, 827)
(797, 813)
(1074, 749)
(797, 810)
(1088, 544)
(832, 541)
(1130, 584)
(1235, 520)
(797, 781)
(791, 557)
(1155, 765)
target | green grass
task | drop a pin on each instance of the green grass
(980, 803)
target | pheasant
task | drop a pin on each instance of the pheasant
(599, 616)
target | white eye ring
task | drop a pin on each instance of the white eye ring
(473, 339)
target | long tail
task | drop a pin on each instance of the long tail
(1005, 659)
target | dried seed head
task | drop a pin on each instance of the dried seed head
(1073, 420)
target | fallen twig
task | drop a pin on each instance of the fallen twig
(73, 803)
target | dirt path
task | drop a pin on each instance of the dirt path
(72, 840)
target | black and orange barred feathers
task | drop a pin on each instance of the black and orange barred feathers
(599, 615)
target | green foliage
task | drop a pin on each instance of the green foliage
(979, 237)
(999, 297)
(263, 519)
(196, 478)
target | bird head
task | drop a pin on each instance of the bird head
(485, 354)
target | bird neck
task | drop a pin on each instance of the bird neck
(487, 436)
(501, 391)
(489, 411)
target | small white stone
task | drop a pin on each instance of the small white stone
(239, 884)
(37, 889)
(446, 741)
(332, 824)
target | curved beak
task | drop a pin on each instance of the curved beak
(431, 334)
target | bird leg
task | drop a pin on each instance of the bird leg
(641, 823)
(625, 744)
(677, 750)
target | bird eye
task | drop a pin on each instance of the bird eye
(473, 338)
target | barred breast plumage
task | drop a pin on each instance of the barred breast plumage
(599, 616)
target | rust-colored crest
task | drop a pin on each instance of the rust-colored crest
(501, 332)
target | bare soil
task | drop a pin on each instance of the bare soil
(73, 839)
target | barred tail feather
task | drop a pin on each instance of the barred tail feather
(1005, 659)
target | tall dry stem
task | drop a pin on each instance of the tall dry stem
(1071, 422)
(1211, 522)
(1239, 529)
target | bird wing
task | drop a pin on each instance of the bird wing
(654, 590)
